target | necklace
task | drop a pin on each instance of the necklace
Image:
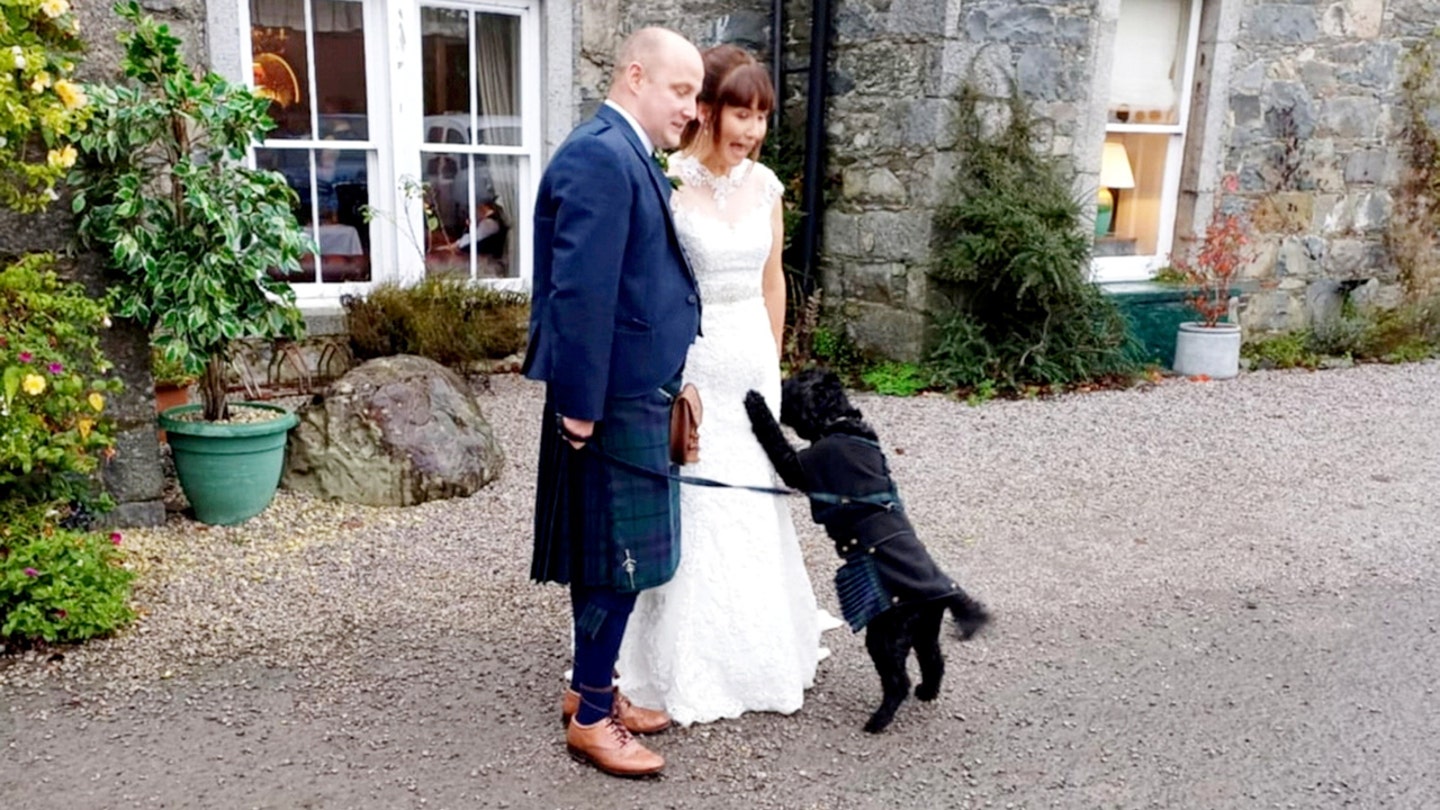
(721, 186)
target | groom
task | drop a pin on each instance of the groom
(614, 311)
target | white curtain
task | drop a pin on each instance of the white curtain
(1147, 48)
(497, 70)
(330, 15)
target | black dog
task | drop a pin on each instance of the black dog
(888, 580)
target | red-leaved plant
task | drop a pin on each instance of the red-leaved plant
(1222, 254)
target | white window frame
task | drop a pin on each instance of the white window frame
(1141, 268)
(395, 103)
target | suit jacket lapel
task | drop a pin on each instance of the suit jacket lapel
(657, 178)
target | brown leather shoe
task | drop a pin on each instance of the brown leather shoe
(637, 720)
(609, 747)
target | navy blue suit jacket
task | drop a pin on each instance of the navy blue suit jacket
(614, 305)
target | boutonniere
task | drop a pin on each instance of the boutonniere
(662, 159)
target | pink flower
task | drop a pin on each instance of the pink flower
(115, 538)
(31, 572)
(56, 368)
(26, 357)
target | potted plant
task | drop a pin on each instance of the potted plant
(1210, 347)
(192, 235)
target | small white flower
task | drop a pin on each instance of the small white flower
(106, 322)
(19, 54)
(51, 195)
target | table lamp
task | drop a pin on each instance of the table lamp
(1114, 173)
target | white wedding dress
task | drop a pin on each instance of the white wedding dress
(737, 629)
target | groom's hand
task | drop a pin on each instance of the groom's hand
(576, 431)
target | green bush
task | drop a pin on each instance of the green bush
(1014, 261)
(450, 321)
(896, 379)
(59, 584)
(1289, 350)
(53, 385)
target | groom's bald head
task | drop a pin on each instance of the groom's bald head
(657, 76)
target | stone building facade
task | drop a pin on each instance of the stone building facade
(1299, 102)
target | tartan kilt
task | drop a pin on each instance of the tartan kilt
(597, 524)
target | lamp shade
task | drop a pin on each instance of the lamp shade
(1115, 167)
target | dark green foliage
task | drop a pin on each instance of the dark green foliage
(191, 232)
(1013, 259)
(447, 320)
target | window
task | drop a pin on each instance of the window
(410, 156)
(309, 58)
(1146, 118)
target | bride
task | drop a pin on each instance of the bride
(737, 629)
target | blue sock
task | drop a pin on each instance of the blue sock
(600, 618)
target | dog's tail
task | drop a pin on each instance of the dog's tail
(969, 614)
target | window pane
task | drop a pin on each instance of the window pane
(295, 165)
(342, 189)
(279, 50)
(474, 233)
(497, 74)
(340, 68)
(445, 48)
(1150, 45)
(1135, 228)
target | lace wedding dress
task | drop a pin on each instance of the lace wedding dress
(737, 629)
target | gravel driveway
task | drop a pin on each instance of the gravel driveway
(1206, 595)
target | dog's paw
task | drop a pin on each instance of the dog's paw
(927, 691)
(879, 721)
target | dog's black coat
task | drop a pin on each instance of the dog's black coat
(907, 595)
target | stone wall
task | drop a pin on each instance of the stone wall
(133, 476)
(1314, 99)
(1322, 76)
(898, 66)
(600, 26)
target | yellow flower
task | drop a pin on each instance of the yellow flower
(85, 425)
(54, 8)
(33, 384)
(42, 81)
(96, 401)
(71, 94)
(62, 158)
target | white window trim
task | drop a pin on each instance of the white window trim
(396, 143)
(1141, 268)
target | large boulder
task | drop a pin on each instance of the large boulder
(395, 431)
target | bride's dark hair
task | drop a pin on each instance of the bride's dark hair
(733, 78)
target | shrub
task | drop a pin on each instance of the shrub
(1014, 261)
(896, 379)
(450, 321)
(1219, 259)
(43, 109)
(191, 233)
(58, 584)
(1290, 350)
(53, 385)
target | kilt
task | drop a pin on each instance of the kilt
(597, 524)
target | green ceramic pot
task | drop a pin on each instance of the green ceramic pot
(229, 472)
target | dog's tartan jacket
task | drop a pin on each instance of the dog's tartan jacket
(886, 565)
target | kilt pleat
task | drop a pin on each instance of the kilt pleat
(597, 524)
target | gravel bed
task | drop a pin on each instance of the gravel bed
(1173, 510)
(1082, 482)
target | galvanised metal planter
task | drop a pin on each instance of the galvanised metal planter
(228, 470)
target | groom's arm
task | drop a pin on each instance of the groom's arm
(782, 454)
(593, 200)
